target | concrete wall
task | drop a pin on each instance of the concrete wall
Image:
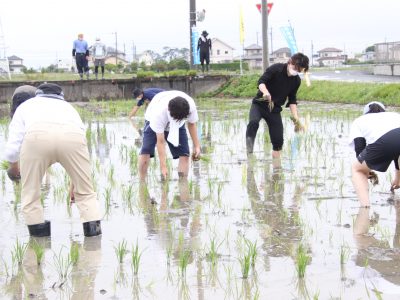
(75, 91)
(383, 70)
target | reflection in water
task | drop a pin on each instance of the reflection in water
(83, 275)
(102, 146)
(377, 253)
(28, 282)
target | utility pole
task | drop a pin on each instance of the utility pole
(192, 22)
(264, 24)
(270, 32)
(312, 53)
(116, 48)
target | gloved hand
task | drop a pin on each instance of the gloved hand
(297, 124)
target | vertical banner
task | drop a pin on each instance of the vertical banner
(241, 26)
(288, 33)
(195, 39)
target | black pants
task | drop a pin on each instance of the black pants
(96, 69)
(204, 56)
(81, 63)
(274, 122)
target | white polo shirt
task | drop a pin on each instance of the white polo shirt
(373, 125)
(38, 110)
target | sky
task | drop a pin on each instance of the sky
(42, 32)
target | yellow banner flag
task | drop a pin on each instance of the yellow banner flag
(241, 26)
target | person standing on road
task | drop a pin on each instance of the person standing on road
(143, 97)
(165, 124)
(279, 83)
(375, 137)
(99, 54)
(204, 45)
(80, 51)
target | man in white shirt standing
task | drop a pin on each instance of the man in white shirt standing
(44, 130)
(99, 53)
(165, 123)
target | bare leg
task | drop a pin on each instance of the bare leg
(183, 166)
(276, 154)
(144, 160)
(360, 181)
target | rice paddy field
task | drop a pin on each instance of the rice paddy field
(237, 228)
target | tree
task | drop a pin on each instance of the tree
(370, 49)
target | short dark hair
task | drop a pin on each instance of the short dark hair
(178, 108)
(375, 108)
(137, 92)
(300, 60)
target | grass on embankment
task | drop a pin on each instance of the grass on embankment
(322, 91)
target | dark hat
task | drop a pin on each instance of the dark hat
(50, 88)
(205, 33)
(137, 92)
(21, 94)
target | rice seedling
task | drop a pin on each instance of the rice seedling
(4, 165)
(18, 252)
(62, 264)
(74, 253)
(107, 200)
(38, 249)
(302, 259)
(245, 263)
(6, 268)
(136, 255)
(212, 254)
(252, 248)
(183, 262)
(121, 250)
(344, 254)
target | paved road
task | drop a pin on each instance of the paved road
(352, 76)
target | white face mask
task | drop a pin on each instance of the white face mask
(293, 72)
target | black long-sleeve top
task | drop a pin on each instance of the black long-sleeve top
(279, 85)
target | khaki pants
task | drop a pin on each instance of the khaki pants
(45, 144)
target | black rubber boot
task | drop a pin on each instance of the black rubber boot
(92, 228)
(42, 229)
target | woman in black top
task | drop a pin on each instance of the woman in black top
(278, 83)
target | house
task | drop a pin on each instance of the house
(387, 52)
(116, 57)
(253, 56)
(16, 64)
(367, 56)
(282, 55)
(146, 57)
(221, 52)
(331, 57)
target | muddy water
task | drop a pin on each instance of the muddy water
(306, 199)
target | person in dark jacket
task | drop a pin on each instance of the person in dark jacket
(143, 97)
(80, 51)
(279, 83)
(204, 45)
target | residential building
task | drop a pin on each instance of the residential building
(253, 56)
(331, 57)
(146, 57)
(116, 57)
(387, 52)
(281, 55)
(221, 52)
(16, 64)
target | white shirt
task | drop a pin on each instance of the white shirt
(38, 110)
(373, 125)
(159, 117)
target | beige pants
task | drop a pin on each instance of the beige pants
(45, 144)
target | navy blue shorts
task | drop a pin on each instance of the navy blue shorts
(150, 140)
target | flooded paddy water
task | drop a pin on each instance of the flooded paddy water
(237, 228)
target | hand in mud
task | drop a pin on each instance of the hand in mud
(394, 186)
(13, 172)
(164, 174)
(373, 178)
(196, 154)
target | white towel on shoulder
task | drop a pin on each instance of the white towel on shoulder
(173, 135)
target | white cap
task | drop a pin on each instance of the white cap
(366, 107)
